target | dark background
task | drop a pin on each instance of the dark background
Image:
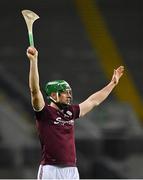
(109, 140)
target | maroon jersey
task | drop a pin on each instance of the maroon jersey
(56, 133)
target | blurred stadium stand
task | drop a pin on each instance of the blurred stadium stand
(109, 139)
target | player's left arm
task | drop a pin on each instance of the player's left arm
(99, 96)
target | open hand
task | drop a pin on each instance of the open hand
(117, 74)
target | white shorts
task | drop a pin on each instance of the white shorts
(57, 172)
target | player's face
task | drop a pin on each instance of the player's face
(65, 97)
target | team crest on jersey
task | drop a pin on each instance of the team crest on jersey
(68, 114)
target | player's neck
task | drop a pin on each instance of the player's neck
(54, 105)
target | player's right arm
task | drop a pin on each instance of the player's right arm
(37, 99)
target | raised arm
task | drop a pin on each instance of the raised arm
(99, 96)
(37, 99)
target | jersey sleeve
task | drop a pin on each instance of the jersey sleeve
(40, 114)
(76, 111)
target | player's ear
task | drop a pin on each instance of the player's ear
(54, 95)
